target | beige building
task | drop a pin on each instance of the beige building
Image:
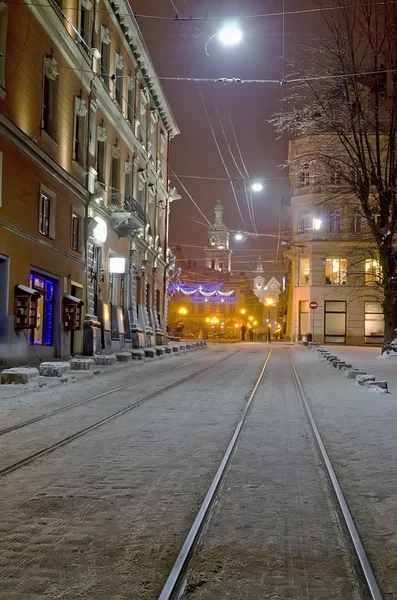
(334, 262)
(84, 197)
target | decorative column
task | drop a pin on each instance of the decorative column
(136, 331)
(159, 333)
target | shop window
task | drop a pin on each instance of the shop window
(80, 131)
(85, 24)
(47, 213)
(372, 271)
(335, 322)
(335, 271)
(42, 334)
(50, 97)
(3, 39)
(303, 318)
(75, 243)
(355, 222)
(334, 221)
(374, 323)
(304, 271)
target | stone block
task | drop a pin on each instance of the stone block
(160, 350)
(54, 369)
(18, 375)
(175, 349)
(105, 359)
(331, 357)
(353, 373)
(150, 353)
(82, 364)
(123, 357)
(137, 354)
(381, 385)
(168, 350)
(182, 347)
(364, 379)
(343, 365)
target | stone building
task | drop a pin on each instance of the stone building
(218, 253)
(84, 202)
(334, 261)
(265, 290)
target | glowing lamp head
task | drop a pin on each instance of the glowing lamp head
(238, 237)
(269, 301)
(243, 311)
(257, 187)
(316, 224)
(230, 34)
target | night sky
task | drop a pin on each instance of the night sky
(177, 49)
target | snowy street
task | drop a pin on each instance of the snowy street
(103, 515)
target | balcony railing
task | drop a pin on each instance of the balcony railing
(120, 203)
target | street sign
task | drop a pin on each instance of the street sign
(313, 304)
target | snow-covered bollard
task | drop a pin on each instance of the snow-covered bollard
(123, 357)
(378, 386)
(150, 353)
(353, 373)
(343, 366)
(175, 349)
(18, 375)
(54, 369)
(160, 350)
(82, 364)
(105, 359)
(137, 354)
(182, 347)
(168, 349)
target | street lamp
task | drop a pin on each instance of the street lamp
(251, 318)
(257, 186)
(270, 303)
(183, 311)
(229, 35)
(239, 237)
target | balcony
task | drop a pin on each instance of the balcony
(127, 215)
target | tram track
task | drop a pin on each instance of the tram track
(83, 431)
(62, 409)
(177, 580)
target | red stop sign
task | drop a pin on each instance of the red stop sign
(313, 304)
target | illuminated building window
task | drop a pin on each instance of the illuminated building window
(3, 38)
(80, 131)
(372, 271)
(43, 334)
(85, 24)
(304, 271)
(47, 213)
(335, 271)
(374, 322)
(50, 97)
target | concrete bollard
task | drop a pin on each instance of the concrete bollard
(343, 366)
(137, 354)
(353, 373)
(160, 350)
(150, 353)
(18, 375)
(378, 385)
(364, 379)
(105, 359)
(54, 369)
(168, 350)
(123, 357)
(82, 364)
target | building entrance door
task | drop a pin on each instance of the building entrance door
(76, 337)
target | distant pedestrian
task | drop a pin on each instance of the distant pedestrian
(243, 331)
(251, 335)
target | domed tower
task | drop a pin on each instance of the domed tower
(218, 254)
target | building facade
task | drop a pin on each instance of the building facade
(84, 203)
(268, 292)
(334, 262)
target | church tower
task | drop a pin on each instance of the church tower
(218, 255)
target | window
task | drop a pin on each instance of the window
(355, 222)
(305, 220)
(232, 309)
(101, 159)
(334, 221)
(192, 309)
(303, 318)
(163, 156)
(222, 308)
(119, 63)
(115, 174)
(105, 54)
(141, 191)
(3, 39)
(201, 309)
(75, 232)
(153, 134)
(128, 181)
(213, 308)
(304, 271)
(143, 117)
(131, 99)
(304, 176)
(85, 27)
(372, 271)
(335, 271)
(47, 213)
(43, 334)
(80, 129)
(220, 266)
(50, 97)
(335, 322)
(336, 178)
(92, 134)
(374, 322)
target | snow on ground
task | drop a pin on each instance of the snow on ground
(370, 360)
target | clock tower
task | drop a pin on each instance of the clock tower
(218, 255)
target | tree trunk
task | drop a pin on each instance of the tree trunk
(386, 257)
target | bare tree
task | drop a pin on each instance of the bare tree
(345, 101)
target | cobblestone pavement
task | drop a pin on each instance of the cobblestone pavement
(104, 517)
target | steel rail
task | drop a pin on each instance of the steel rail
(70, 438)
(57, 411)
(351, 527)
(182, 561)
